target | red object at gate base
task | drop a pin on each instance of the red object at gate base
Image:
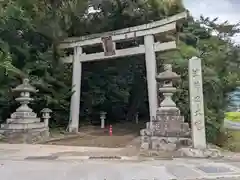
(110, 130)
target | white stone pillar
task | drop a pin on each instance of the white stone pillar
(196, 103)
(76, 88)
(150, 59)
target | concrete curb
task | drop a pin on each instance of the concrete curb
(231, 125)
(110, 158)
(104, 158)
(74, 158)
(52, 140)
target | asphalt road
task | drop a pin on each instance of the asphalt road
(116, 170)
(87, 170)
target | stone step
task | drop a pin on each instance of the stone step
(19, 126)
(22, 131)
(2, 131)
(23, 121)
(23, 115)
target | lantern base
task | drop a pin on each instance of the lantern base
(30, 136)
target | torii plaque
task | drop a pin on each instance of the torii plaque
(108, 46)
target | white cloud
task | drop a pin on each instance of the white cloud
(224, 9)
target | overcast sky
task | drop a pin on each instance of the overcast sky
(223, 9)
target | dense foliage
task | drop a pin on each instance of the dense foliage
(31, 29)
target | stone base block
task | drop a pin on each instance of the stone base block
(163, 143)
(20, 126)
(167, 155)
(25, 137)
(23, 120)
(200, 153)
(73, 130)
(145, 146)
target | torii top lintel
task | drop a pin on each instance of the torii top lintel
(155, 27)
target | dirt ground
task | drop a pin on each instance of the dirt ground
(123, 135)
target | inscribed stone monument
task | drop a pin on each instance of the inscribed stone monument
(199, 148)
(196, 103)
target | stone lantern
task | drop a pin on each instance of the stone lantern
(165, 79)
(46, 116)
(24, 124)
(103, 117)
(167, 130)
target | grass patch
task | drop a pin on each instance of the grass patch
(233, 116)
(233, 142)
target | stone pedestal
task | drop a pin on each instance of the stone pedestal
(24, 126)
(200, 153)
(167, 131)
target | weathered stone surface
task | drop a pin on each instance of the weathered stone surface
(200, 153)
(23, 126)
(23, 120)
(196, 103)
(20, 115)
(73, 129)
(163, 144)
(26, 137)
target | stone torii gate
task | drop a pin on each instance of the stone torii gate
(149, 32)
